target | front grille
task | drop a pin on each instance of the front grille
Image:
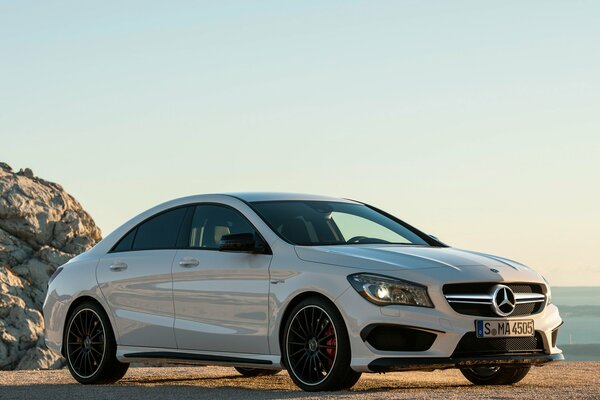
(460, 296)
(485, 310)
(485, 287)
(472, 346)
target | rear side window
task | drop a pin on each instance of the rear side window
(126, 242)
(159, 232)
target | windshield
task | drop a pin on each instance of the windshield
(315, 223)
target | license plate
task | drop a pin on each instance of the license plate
(488, 329)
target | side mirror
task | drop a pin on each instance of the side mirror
(241, 242)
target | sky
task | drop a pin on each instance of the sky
(478, 122)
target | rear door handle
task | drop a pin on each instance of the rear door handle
(120, 266)
(189, 262)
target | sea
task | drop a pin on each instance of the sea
(579, 307)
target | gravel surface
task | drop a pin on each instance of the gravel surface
(566, 380)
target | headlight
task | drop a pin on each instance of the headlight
(549, 293)
(383, 290)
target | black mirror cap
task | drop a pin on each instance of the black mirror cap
(436, 239)
(244, 242)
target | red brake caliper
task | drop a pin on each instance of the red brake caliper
(330, 351)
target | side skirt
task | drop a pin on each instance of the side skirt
(142, 354)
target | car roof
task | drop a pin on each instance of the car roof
(251, 197)
(103, 246)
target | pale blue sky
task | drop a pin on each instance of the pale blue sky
(476, 121)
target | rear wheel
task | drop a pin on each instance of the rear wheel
(495, 375)
(90, 346)
(316, 348)
(256, 371)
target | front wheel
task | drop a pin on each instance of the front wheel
(495, 375)
(316, 348)
(90, 346)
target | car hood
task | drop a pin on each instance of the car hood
(394, 257)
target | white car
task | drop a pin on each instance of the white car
(326, 288)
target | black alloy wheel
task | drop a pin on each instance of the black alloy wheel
(317, 348)
(90, 346)
(86, 343)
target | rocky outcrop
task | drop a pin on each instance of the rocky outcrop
(41, 227)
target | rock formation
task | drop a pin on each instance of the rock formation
(41, 227)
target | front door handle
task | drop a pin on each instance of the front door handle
(120, 266)
(189, 262)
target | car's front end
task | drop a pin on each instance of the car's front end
(444, 317)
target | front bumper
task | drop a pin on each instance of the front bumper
(450, 329)
(413, 364)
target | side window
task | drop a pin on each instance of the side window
(126, 241)
(159, 232)
(211, 222)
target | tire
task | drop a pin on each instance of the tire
(250, 372)
(90, 346)
(495, 375)
(316, 348)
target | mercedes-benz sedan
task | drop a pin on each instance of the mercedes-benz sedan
(326, 288)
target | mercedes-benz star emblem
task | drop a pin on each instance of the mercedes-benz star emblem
(503, 300)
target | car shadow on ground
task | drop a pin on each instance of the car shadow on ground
(184, 392)
(220, 387)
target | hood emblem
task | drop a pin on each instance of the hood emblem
(503, 300)
(494, 270)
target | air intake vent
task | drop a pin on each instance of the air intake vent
(397, 338)
(472, 346)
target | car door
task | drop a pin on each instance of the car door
(221, 298)
(135, 278)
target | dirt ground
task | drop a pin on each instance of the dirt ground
(566, 380)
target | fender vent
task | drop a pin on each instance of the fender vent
(554, 337)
